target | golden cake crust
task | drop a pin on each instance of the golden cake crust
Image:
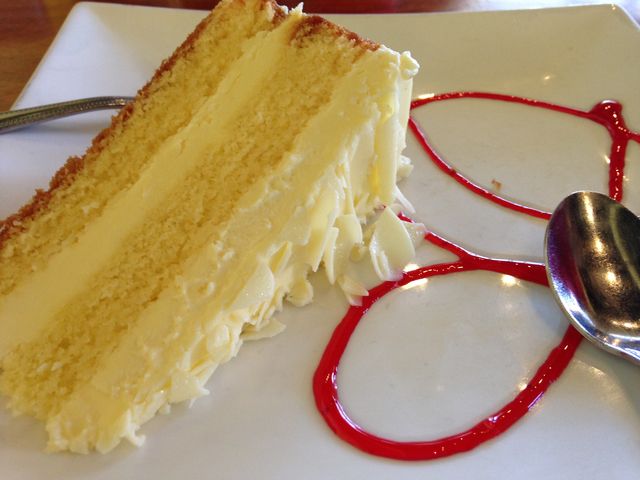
(16, 223)
(312, 24)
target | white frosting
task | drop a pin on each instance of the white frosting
(390, 245)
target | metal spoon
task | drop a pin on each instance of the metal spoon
(592, 252)
(14, 119)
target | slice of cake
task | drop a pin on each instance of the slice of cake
(255, 155)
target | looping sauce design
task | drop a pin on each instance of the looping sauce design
(607, 113)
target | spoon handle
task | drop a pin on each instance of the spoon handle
(15, 119)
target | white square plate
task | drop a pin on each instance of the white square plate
(446, 354)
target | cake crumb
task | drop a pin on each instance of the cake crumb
(497, 186)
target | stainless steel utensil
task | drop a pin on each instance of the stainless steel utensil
(15, 119)
(592, 253)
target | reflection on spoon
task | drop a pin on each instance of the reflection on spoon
(592, 254)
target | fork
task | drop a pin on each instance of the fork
(15, 119)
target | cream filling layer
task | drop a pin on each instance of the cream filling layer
(310, 212)
(25, 312)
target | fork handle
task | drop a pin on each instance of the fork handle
(14, 119)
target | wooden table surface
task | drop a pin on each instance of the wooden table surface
(27, 27)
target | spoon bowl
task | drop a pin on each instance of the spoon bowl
(592, 254)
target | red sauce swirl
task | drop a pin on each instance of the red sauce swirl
(607, 113)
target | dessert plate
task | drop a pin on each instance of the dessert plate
(430, 359)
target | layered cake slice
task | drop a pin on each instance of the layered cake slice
(254, 156)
